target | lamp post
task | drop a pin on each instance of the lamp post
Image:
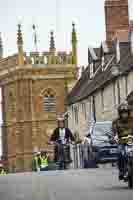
(116, 72)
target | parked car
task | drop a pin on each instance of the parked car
(104, 148)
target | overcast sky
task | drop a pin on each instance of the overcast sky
(57, 15)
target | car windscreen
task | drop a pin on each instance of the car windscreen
(101, 134)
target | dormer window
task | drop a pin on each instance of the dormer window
(117, 51)
(91, 70)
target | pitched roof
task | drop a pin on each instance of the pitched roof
(97, 52)
(86, 87)
(93, 54)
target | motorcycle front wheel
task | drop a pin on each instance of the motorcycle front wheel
(130, 182)
(130, 173)
(61, 166)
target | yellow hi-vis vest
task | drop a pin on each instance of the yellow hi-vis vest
(44, 162)
(2, 172)
(36, 165)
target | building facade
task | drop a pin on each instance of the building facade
(99, 91)
(34, 88)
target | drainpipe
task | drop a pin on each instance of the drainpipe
(94, 108)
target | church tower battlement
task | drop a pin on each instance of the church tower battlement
(48, 57)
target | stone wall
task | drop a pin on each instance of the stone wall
(106, 102)
(26, 125)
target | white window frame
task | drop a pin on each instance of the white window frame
(126, 85)
(91, 70)
(117, 51)
(76, 115)
(102, 63)
(114, 93)
(102, 99)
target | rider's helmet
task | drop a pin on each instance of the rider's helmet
(60, 118)
(61, 121)
(130, 139)
(123, 107)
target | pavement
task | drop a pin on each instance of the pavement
(93, 184)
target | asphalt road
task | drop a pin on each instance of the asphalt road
(93, 184)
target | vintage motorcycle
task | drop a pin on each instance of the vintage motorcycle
(128, 161)
(63, 158)
(63, 155)
(129, 151)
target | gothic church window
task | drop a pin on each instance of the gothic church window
(49, 101)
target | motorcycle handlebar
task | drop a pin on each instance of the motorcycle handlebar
(56, 142)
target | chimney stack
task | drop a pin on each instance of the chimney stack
(116, 17)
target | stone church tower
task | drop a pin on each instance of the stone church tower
(34, 88)
(116, 17)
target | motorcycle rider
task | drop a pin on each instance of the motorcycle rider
(122, 128)
(63, 134)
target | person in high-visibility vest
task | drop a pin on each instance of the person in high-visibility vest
(36, 162)
(2, 171)
(44, 161)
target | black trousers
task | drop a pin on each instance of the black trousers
(122, 160)
(56, 152)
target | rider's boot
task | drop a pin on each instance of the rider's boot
(126, 177)
(121, 175)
